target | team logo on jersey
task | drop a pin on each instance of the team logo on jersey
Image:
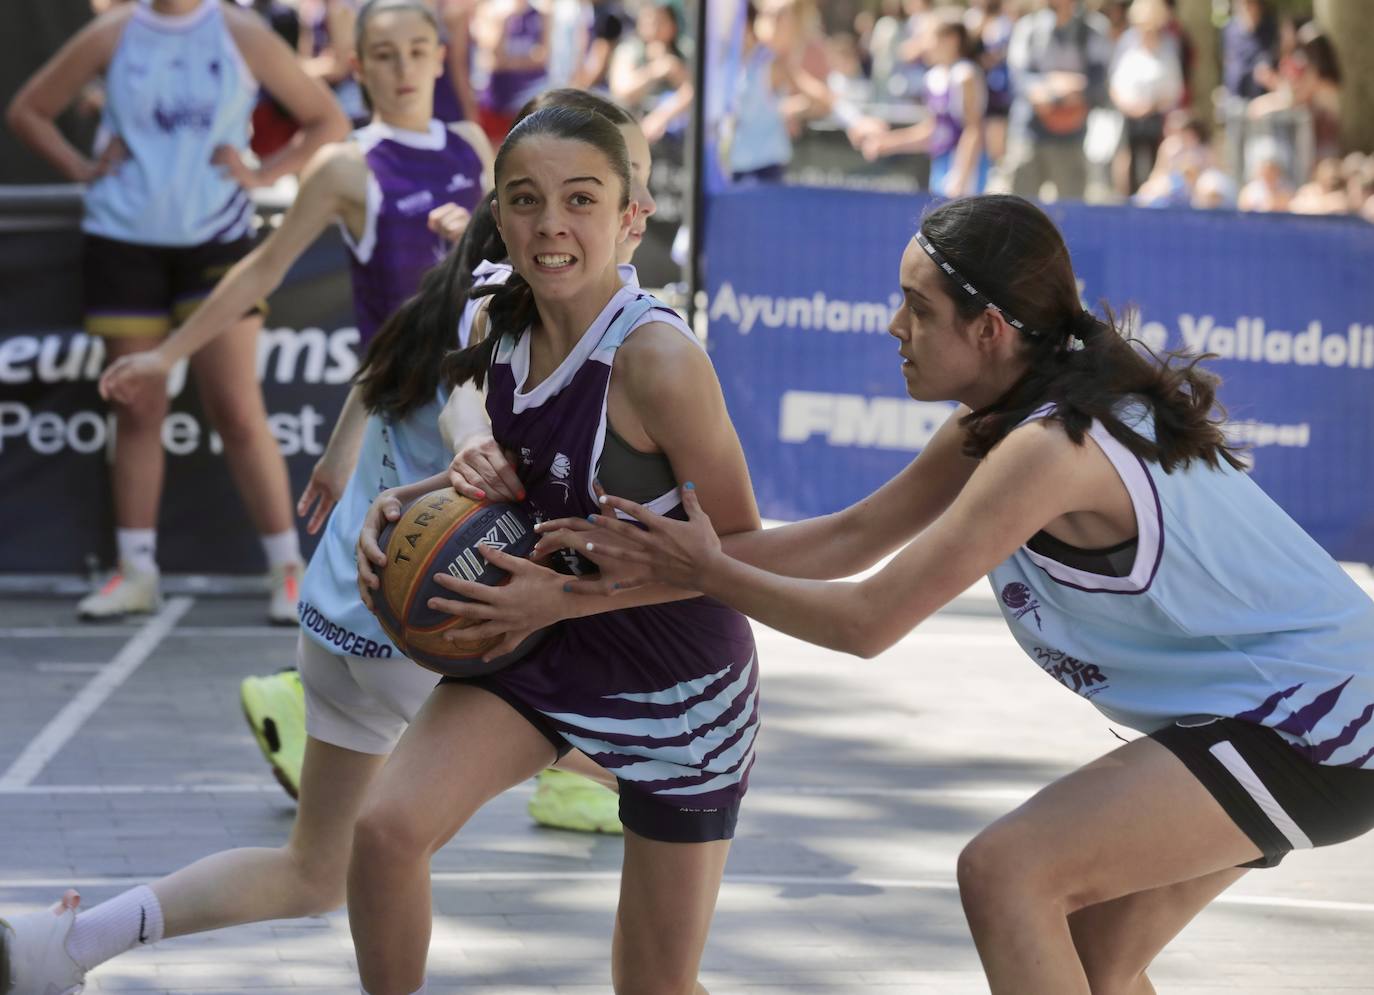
(186, 115)
(421, 200)
(1018, 598)
(1082, 678)
(460, 181)
(526, 456)
(562, 470)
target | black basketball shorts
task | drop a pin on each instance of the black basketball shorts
(1275, 795)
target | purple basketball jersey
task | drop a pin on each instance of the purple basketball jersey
(508, 89)
(664, 696)
(412, 173)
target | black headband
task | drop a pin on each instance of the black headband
(978, 296)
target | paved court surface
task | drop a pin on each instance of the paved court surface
(123, 756)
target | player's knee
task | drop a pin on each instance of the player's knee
(144, 413)
(321, 885)
(989, 868)
(239, 424)
(386, 836)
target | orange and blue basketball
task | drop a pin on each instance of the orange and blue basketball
(439, 532)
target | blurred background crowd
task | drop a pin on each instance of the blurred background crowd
(1111, 101)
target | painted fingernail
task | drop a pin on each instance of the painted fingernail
(689, 486)
(615, 586)
(567, 588)
(591, 546)
(520, 496)
(591, 518)
(481, 495)
(604, 499)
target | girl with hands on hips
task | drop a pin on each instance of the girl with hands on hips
(165, 211)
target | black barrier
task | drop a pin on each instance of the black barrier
(56, 435)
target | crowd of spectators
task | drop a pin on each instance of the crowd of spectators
(500, 53)
(1096, 99)
(1079, 99)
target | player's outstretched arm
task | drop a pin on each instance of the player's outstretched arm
(840, 544)
(1034, 476)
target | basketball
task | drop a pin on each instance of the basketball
(439, 532)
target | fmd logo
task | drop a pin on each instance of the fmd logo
(856, 420)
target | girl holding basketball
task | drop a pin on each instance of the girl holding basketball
(357, 701)
(664, 696)
(1134, 561)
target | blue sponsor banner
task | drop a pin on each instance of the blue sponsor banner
(802, 283)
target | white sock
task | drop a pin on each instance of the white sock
(108, 930)
(282, 548)
(138, 548)
(418, 991)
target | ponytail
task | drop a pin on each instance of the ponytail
(511, 311)
(401, 370)
(1005, 252)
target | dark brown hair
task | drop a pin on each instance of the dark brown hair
(1010, 250)
(584, 100)
(381, 6)
(402, 368)
(512, 307)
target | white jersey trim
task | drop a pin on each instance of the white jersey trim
(362, 248)
(432, 139)
(666, 502)
(1149, 521)
(518, 355)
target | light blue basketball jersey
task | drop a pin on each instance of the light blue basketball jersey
(392, 453)
(760, 136)
(1230, 609)
(176, 89)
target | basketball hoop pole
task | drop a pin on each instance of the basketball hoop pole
(696, 155)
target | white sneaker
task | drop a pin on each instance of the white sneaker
(33, 955)
(129, 591)
(285, 584)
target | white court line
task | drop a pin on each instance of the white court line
(1006, 794)
(52, 667)
(263, 788)
(65, 723)
(741, 880)
(115, 631)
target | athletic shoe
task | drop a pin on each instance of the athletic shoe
(33, 954)
(129, 591)
(285, 584)
(275, 709)
(564, 800)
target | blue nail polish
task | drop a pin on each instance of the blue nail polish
(615, 586)
(689, 486)
(567, 588)
(591, 518)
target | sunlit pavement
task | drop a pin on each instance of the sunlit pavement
(123, 756)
